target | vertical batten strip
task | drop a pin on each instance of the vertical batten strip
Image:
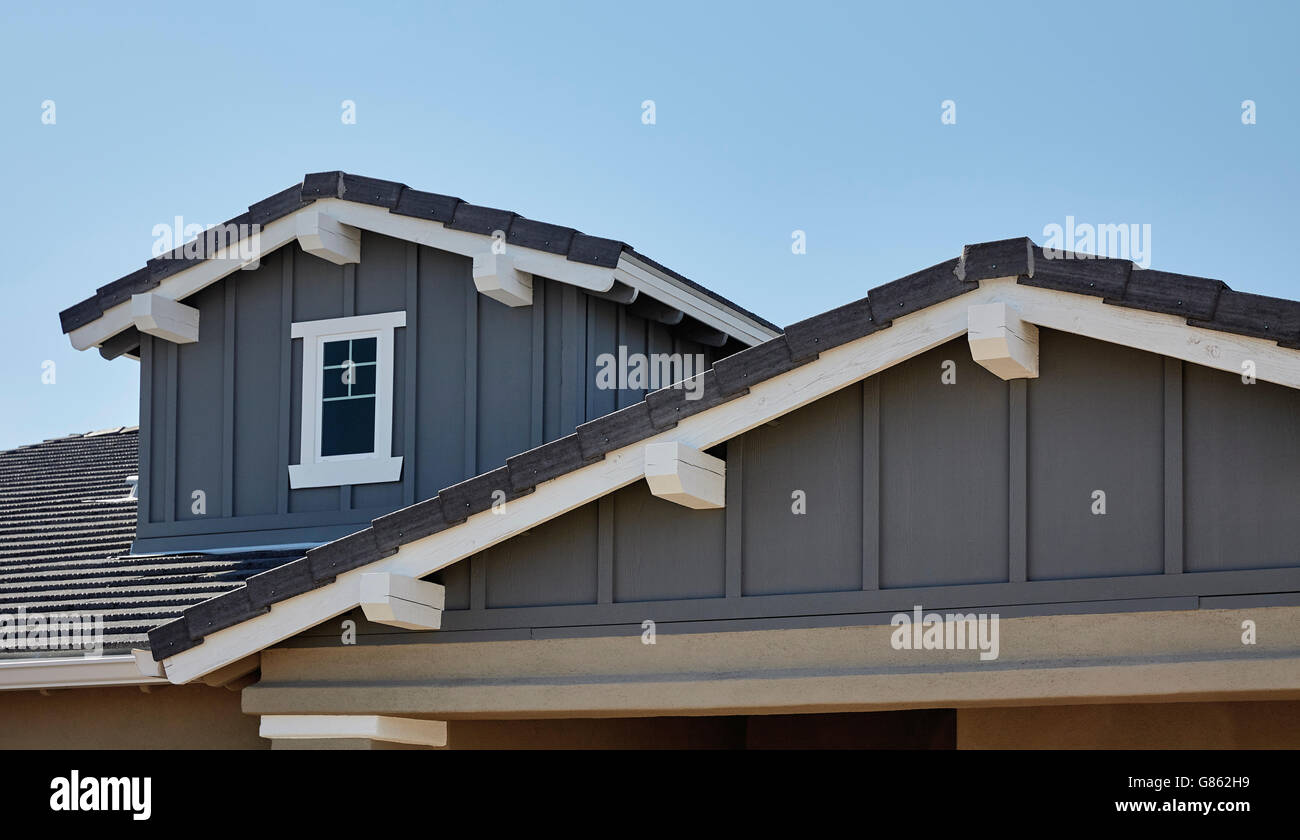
(871, 483)
(735, 513)
(144, 437)
(173, 412)
(1173, 450)
(412, 371)
(286, 380)
(471, 381)
(1018, 480)
(538, 405)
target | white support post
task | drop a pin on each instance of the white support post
(326, 237)
(687, 476)
(497, 276)
(165, 318)
(1002, 341)
(400, 601)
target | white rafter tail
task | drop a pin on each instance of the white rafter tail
(496, 276)
(679, 473)
(397, 730)
(145, 662)
(324, 236)
(400, 601)
(1002, 341)
(165, 318)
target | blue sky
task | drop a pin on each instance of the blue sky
(769, 118)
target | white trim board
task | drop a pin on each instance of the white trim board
(835, 369)
(369, 217)
(73, 672)
(397, 730)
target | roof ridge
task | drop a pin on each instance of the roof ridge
(454, 213)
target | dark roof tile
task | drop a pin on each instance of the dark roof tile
(614, 431)
(343, 555)
(1004, 258)
(477, 494)
(670, 405)
(481, 220)
(410, 523)
(427, 205)
(545, 462)
(370, 190)
(540, 236)
(809, 337)
(1255, 315)
(1174, 294)
(917, 291)
(748, 367)
(1081, 274)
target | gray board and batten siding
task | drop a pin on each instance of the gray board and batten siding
(475, 383)
(977, 494)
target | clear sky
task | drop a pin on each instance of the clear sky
(769, 118)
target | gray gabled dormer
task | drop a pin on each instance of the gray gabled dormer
(350, 346)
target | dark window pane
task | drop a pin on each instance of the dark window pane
(363, 379)
(336, 353)
(363, 349)
(333, 384)
(347, 427)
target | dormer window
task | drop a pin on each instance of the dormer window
(347, 401)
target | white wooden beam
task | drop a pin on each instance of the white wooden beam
(401, 601)
(148, 666)
(397, 730)
(496, 276)
(685, 475)
(165, 318)
(324, 236)
(1001, 341)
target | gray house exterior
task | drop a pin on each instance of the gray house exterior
(475, 381)
(1086, 469)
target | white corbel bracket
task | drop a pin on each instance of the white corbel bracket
(155, 315)
(1003, 342)
(324, 236)
(496, 276)
(684, 475)
(400, 601)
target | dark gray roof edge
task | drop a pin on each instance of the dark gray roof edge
(1209, 302)
(398, 198)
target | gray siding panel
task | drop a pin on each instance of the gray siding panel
(1095, 423)
(816, 450)
(933, 487)
(505, 339)
(257, 334)
(199, 433)
(944, 472)
(662, 551)
(1242, 469)
(445, 280)
(553, 564)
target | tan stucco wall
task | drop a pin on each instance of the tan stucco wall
(167, 717)
(1133, 657)
(1249, 725)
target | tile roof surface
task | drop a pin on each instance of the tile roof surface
(67, 520)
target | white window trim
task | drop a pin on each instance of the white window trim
(378, 466)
